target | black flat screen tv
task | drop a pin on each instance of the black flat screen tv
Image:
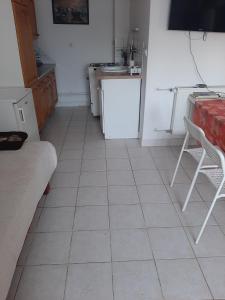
(197, 15)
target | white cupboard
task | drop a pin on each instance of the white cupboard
(17, 112)
(120, 108)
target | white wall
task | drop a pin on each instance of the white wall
(170, 65)
(73, 47)
(121, 27)
(10, 67)
(122, 18)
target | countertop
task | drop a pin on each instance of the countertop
(13, 94)
(44, 69)
(115, 75)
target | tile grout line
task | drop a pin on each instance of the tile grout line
(110, 234)
(149, 240)
(71, 238)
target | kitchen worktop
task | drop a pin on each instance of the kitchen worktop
(44, 69)
(115, 75)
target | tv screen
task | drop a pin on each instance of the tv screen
(197, 15)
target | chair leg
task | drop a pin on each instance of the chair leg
(179, 159)
(217, 196)
(206, 219)
(193, 181)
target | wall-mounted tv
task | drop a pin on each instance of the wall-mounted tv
(197, 15)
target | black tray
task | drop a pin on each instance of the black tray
(12, 140)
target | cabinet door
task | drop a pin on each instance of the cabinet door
(33, 21)
(101, 106)
(39, 105)
(25, 42)
(54, 89)
(26, 117)
(23, 2)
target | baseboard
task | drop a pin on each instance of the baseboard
(163, 142)
(73, 99)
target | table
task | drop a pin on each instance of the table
(210, 116)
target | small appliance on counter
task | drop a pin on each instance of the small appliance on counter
(135, 70)
(93, 86)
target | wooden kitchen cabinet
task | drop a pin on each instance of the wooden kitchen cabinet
(32, 16)
(25, 43)
(45, 98)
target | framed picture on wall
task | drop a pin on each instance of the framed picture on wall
(70, 11)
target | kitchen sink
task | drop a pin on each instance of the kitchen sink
(114, 69)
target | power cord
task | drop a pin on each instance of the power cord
(194, 60)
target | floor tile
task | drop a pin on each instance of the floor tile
(158, 152)
(195, 214)
(126, 216)
(92, 196)
(93, 179)
(118, 164)
(61, 197)
(70, 154)
(170, 243)
(65, 180)
(139, 152)
(41, 283)
(35, 220)
(120, 178)
(160, 215)
(116, 152)
(90, 246)
(212, 242)
(26, 249)
(49, 248)
(69, 166)
(165, 163)
(179, 193)
(181, 177)
(182, 280)
(89, 282)
(92, 165)
(207, 191)
(136, 281)
(153, 194)
(219, 212)
(214, 272)
(14, 284)
(142, 164)
(94, 153)
(91, 218)
(119, 195)
(132, 244)
(147, 177)
(56, 219)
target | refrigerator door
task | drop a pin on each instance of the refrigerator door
(26, 117)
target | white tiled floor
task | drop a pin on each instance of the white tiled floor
(112, 229)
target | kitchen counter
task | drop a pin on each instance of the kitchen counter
(115, 75)
(45, 69)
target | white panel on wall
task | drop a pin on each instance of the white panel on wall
(73, 47)
(10, 66)
(170, 64)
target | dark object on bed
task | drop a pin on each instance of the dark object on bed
(12, 140)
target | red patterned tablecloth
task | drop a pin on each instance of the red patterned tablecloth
(210, 116)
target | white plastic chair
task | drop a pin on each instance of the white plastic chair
(216, 176)
(195, 132)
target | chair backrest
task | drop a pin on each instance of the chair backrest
(195, 131)
(214, 153)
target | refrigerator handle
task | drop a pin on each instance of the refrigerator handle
(21, 114)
